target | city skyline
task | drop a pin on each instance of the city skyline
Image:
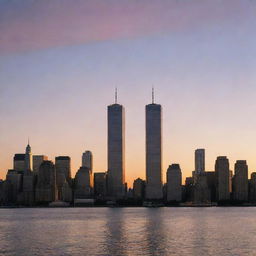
(116, 134)
(55, 89)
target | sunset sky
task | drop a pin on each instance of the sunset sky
(60, 61)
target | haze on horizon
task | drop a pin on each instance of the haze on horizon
(60, 62)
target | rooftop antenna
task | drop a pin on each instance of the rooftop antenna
(153, 95)
(115, 95)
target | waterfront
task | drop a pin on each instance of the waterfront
(128, 231)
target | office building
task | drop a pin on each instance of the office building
(116, 151)
(154, 184)
(240, 186)
(19, 162)
(63, 172)
(83, 183)
(222, 174)
(174, 186)
(139, 189)
(37, 161)
(100, 185)
(87, 160)
(46, 190)
(199, 161)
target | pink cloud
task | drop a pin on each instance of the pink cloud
(33, 25)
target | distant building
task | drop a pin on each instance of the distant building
(174, 186)
(28, 189)
(211, 183)
(240, 179)
(201, 191)
(83, 184)
(63, 172)
(46, 190)
(139, 189)
(252, 188)
(222, 174)
(200, 161)
(66, 192)
(116, 151)
(87, 160)
(189, 184)
(154, 183)
(100, 185)
(19, 162)
(13, 186)
(28, 159)
(37, 161)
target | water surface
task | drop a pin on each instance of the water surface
(128, 231)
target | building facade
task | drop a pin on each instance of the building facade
(63, 173)
(37, 161)
(83, 183)
(87, 160)
(200, 161)
(222, 173)
(116, 151)
(46, 189)
(154, 184)
(100, 185)
(240, 180)
(174, 183)
(139, 189)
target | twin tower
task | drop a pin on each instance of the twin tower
(116, 150)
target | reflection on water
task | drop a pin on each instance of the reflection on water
(128, 231)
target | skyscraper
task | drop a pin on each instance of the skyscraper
(37, 161)
(154, 150)
(46, 190)
(63, 165)
(87, 159)
(83, 183)
(174, 188)
(100, 185)
(200, 161)
(222, 178)
(63, 172)
(241, 181)
(19, 162)
(116, 148)
(28, 158)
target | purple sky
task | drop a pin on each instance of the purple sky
(61, 60)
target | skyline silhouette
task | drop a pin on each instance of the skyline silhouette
(56, 90)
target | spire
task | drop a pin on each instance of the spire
(115, 95)
(153, 95)
(28, 140)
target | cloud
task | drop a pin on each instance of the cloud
(38, 24)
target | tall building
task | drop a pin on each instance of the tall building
(138, 189)
(46, 190)
(222, 178)
(116, 151)
(63, 172)
(252, 188)
(210, 176)
(37, 161)
(200, 161)
(100, 185)
(240, 186)
(83, 183)
(154, 184)
(174, 186)
(19, 162)
(87, 160)
(13, 185)
(28, 158)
